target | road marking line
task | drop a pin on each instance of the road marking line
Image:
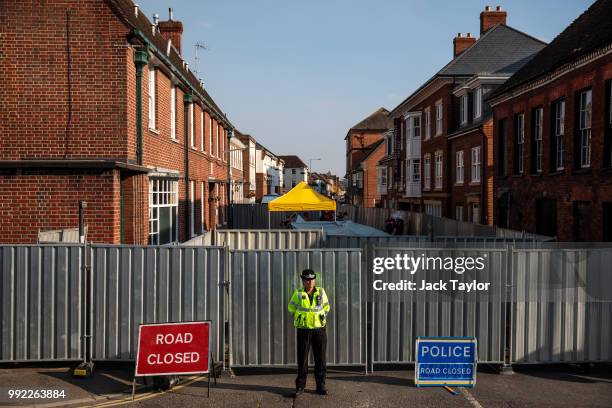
(147, 395)
(470, 398)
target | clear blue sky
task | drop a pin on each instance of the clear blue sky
(298, 74)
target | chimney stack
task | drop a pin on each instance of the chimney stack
(461, 43)
(172, 30)
(489, 18)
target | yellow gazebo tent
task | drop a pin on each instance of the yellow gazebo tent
(302, 198)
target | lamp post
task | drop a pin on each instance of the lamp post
(310, 166)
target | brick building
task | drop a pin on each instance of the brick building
(439, 150)
(361, 141)
(553, 135)
(369, 173)
(99, 106)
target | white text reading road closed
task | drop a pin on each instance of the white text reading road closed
(170, 339)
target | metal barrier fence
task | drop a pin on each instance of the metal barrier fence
(41, 299)
(400, 316)
(557, 306)
(261, 239)
(262, 332)
(154, 284)
(255, 216)
(562, 305)
(416, 223)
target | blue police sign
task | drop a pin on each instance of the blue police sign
(447, 361)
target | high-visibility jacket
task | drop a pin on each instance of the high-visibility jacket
(306, 315)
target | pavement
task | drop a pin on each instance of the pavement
(529, 386)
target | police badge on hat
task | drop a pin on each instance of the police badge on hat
(308, 274)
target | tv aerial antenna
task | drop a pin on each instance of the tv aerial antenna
(198, 46)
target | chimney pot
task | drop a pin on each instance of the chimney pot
(170, 14)
(489, 18)
(461, 43)
(155, 19)
(136, 10)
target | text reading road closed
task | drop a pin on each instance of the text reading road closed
(173, 348)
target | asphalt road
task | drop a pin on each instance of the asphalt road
(552, 386)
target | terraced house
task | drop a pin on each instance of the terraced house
(440, 147)
(553, 135)
(364, 149)
(99, 106)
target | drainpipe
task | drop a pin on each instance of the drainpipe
(230, 221)
(187, 100)
(140, 60)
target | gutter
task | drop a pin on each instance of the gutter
(179, 74)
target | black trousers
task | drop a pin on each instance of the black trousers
(317, 338)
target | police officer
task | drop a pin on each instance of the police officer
(309, 306)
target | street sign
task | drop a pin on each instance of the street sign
(446, 361)
(173, 349)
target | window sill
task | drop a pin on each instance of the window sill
(175, 140)
(584, 170)
(517, 175)
(152, 130)
(459, 183)
(474, 183)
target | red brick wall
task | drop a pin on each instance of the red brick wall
(69, 83)
(570, 185)
(32, 200)
(468, 192)
(436, 143)
(357, 144)
(63, 80)
(370, 176)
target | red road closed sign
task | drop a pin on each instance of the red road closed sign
(173, 349)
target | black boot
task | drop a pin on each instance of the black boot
(298, 392)
(321, 390)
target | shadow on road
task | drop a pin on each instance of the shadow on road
(580, 373)
(282, 391)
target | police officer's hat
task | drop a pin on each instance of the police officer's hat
(308, 274)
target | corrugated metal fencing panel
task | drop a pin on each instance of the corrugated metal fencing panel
(206, 239)
(423, 224)
(41, 303)
(262, 332)
(67, 235)
(154, 284)
(270, 239)
(400, 316)
(562, 308)
(255, 216)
